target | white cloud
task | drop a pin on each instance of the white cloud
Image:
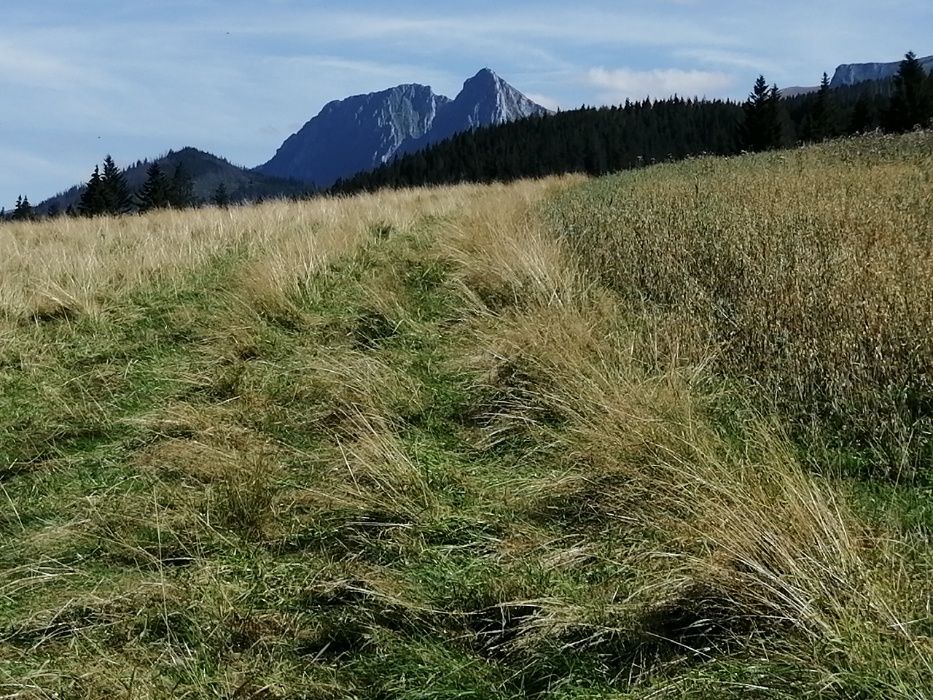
(622, 83)
(733, 59)
(543, 100)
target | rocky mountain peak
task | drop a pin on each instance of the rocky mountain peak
(365, 131)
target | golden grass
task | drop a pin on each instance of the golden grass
(808, 270)
(71, 266)
(744, 542)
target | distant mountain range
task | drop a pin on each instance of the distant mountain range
(349, 136)
(365, 131)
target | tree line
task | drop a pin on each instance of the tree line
(107, 192)
(895, 106)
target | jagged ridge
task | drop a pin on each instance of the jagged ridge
(362, 132)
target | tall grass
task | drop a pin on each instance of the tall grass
(809, 271)
(737, 546)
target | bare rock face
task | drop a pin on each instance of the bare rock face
(854, 73)
(363, 132)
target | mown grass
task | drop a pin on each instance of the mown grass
(409, 446)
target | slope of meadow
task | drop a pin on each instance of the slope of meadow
(477, 442)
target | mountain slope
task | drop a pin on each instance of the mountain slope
(207, 172)
(853, 73)
(354, 134)
(365, 131)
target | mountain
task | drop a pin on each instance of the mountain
(852, 73)
(797, 90)
(365, 131)
(357, 133)
(207, 172)
(485, 100)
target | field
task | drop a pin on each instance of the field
(667, 434)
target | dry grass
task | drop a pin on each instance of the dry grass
(745, 545)
(74, 266)
(809, 270)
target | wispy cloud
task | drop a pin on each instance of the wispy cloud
(723, 57)
(624, 83)
(544, 100)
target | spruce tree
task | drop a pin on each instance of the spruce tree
(155, 192)
(181, 193)
(94, 198)
(221, 198)
(24, 210)
(912, 102)
(822, 121)
(763, 129)
(117, 197)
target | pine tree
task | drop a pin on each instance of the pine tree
(221, 198)
(822, 121)
(181, 193)
(912, 102)
(94, 198)
(116, 193)
(155, 192)
(24, 210)
(763, 129)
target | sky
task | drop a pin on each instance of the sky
(134, 78)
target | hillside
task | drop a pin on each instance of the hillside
(207, 170)
(665, 434)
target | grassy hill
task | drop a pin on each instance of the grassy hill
(659, 435)
(207, 172)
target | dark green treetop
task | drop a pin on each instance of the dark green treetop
(763, 130)
(94, 198)
(156, 191)
(181, 189)
(912, 101)
(116, 193)
(221, 197)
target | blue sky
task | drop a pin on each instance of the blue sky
(79, 80)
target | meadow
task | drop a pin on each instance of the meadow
(665, 434)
